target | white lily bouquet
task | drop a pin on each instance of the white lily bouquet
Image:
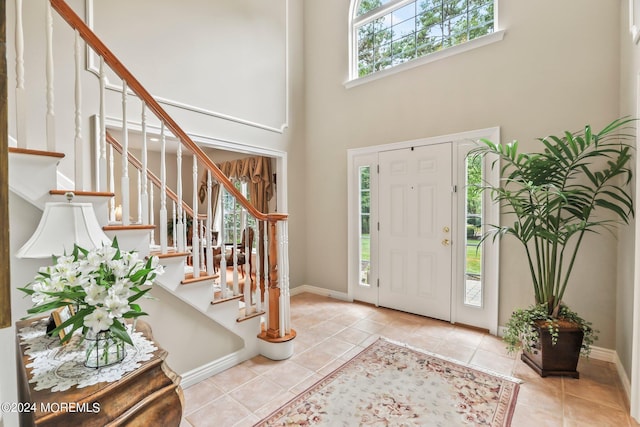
(101, 284)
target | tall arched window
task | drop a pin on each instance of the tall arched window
(387, 33)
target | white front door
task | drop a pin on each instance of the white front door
(415, 216)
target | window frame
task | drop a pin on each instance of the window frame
(355, 21)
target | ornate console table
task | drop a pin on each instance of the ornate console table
(145, 396)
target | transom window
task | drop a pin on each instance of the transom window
(388, 33)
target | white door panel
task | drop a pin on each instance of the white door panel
(415, 210)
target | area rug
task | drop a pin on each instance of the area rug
(391, 384)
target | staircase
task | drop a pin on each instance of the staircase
(255, 310)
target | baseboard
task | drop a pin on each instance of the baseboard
(203, 372)
(624, 379)
(320, 291)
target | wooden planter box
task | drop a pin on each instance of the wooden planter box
(559, 359)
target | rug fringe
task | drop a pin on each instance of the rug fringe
(452, 360)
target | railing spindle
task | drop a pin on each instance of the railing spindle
(152, 237)
(285, 307)
(174, 226)
(139, 205)
(209, 256)
(195, 240)
(223, 238)
(21, 106)
(258, 296)
(144, 191)
(101, 177)
(125, 160)
(180, 224)
(50, 123)
(265, 267)
(112, 184)
(234, 261)
(163, 191)
(78, 144)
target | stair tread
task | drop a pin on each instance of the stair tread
(35, 152)
(188, 278)
(169, 254)
(220, 301)
(251, 316)
(82, 193)
(118, 227)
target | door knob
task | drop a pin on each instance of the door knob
(445, 242)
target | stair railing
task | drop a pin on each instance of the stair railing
(272, 270)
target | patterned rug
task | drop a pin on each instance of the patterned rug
(391, 384)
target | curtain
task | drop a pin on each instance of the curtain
(255, 171)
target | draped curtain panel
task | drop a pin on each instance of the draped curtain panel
(255, 171)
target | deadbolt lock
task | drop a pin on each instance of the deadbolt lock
(446, 229)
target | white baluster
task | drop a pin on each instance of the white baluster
(79, 146)
(209, 256)
(280, 233)
(101, 176)
(152, 237)
(285, 292)
(258, 299)
(139, 210)
(174, 231)
(266, 270)
(144, 191)
(125, 159)
(112, 184)
(223, 239)
(202, 237)
(180, 228)
(163, 191)
(248, 305)
(51, 130)
(195, 240)
(21, 96)
(236, 290)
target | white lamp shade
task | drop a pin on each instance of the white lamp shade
(62, 225)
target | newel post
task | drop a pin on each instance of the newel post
(276, 342)
(273, 325)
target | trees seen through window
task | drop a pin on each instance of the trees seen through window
(389, 35)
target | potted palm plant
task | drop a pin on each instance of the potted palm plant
(577, 184)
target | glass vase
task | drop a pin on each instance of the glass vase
(103, 349)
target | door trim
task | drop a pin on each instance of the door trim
(368, 155)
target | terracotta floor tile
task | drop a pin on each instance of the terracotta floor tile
(233, 377)
(595, 392)
(198, 395)
(224, 411)
(257, 393)
(314, 358)
(331, 332)
(494, 362)
(352, 335)
(532, 416)
(369, 326)
(288, 373)
(456, 351)
(581, 412)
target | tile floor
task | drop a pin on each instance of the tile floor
(330, 332)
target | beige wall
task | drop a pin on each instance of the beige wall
(629, 72)
(557, 68)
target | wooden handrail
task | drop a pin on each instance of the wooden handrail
(154, 179)
(110, 59)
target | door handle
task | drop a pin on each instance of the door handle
(446, 242)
